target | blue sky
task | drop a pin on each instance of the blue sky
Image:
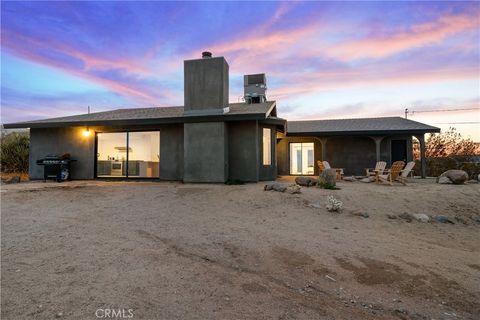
(323, 60)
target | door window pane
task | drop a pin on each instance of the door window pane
(267, 146)
(144, 154)
(111, 154)
(302, 158)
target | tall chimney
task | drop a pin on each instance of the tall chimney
(206, 85)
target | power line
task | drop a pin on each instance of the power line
(443, 110)
(464, 122)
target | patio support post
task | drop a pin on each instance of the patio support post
(323, 141)
(378, 141)
(423, 160)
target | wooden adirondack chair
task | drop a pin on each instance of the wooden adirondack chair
(405, 172)
(379, 167)
(321, 167)
(391, 174)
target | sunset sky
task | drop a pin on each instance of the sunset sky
(323, 60)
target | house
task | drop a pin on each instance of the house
(211, 140)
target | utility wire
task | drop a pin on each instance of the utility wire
(465, 122)
(443, 110)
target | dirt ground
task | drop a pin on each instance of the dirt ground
(202, 251)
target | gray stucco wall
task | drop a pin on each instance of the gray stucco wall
(205, 84)
(205, 152)
(267, 172)
(171, 152)
(243, 152)
(58, 141)
(354, 154)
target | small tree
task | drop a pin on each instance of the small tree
(14, 149)
(448, 143)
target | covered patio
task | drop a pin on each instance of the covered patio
(352, 144)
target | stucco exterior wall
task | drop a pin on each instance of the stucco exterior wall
(171, 152)
(205, 152)
(243, 152)
(354, 154)
(205, 85)
(267, 172)
(58, 141)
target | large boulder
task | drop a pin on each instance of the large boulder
(455, 176)
(306, 181)
(328, 179)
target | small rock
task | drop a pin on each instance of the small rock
(368, 179)
(472, 181)
(360, 214)
(315, 205)
(59, 315)
(306, 181)
(280, 187)
(391, 216)
(294, 189)
(444, 180)
(349, 179)
(442, 219)
(421, 217)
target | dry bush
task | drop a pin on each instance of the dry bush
(446, 144)
(14, 152)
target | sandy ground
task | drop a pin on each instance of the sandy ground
(175, 251)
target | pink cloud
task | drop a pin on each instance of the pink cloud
(415, 37)
(32, 49)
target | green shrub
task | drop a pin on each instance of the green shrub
(14, 152)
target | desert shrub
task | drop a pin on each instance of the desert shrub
(14, 152)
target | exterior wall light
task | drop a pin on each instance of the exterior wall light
(86, 132)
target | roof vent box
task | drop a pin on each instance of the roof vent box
(255, 87)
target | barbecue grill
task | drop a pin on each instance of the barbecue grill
(57, 168)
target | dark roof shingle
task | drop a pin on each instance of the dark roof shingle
(360, 125)
(260, 110)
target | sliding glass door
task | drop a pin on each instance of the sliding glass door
(301, 158)
(144, 154)
(128, 154)
(111, 154)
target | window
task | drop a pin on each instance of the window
(301, 158)
(128, 154)
(267, 146)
